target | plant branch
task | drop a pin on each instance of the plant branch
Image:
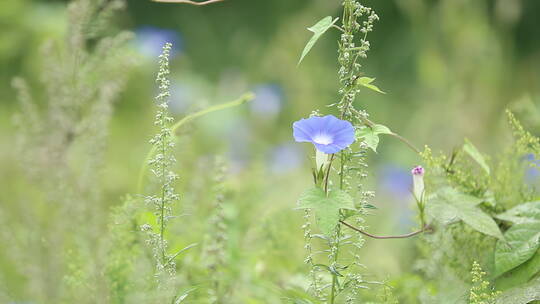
(180, 251)
(370, 124)
(338, 27)
(406, 141)
(189, 2)
(426, 228)
(247, 97)
(328, 174)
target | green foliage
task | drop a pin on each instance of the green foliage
(214, 253)
(524, 294)
(367, 83)
(448, 205)
(124, 248)
(521, 274)
(473, 152)
(521, 256)
(63, 243)
(522, 213)
(370, 135)
(321, 27)
(523, 242)
(486, 201)
(326, 207)
(387, 296)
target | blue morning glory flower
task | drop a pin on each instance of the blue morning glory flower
(329, 134)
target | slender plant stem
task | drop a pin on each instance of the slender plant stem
(338, 27)
(334, 277)
(426, 228)
(406, 141)
(370, 123)
(240, 101)
(328, 173)
(180, 251)
(189, 2)
(162, 215)
(342, 167)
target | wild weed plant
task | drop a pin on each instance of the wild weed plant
(468, 209)
(475, 211)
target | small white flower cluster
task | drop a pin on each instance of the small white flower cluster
(358, 21)
(350, 53)
(161, 165)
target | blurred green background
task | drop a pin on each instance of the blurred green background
(449, 67)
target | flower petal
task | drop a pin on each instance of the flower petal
(339, 133)
(328, 149)
(301, 131)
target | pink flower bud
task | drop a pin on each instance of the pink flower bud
(418, 182)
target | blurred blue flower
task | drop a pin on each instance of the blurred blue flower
(268, 100)
(285, 158)
(150, 40)
(396, 181)
(329, 134)
(395, 186)
(532, 174)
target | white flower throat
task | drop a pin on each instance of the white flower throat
(322, 139)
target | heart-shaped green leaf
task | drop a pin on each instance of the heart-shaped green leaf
(326, 208)
(448, 205)
(523, 294)
(522, 242)
(370, 135)
(522, 213)
(521, 274)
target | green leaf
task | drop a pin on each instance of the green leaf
(441, 211)
(521, 295)
(470, 149)
(326, 208)
(366, 82)
(522, 242)
(330, 269)
(370, 135)
(381, 129)
(182, 297)
(449, 205)
(521, 274)
(523, 213)
(318, 30)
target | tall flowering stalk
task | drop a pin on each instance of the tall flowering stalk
(336, 201)
(351, 163)
(161, 166)
(215, 250)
